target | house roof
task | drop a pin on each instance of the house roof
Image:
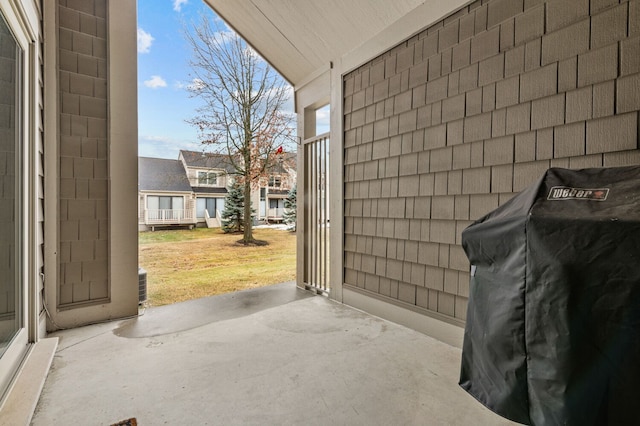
(207, 160)
(159, 174)
(205, 190)
(301, 37)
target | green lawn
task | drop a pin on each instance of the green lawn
(189, 264)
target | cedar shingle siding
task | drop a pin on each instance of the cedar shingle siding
(450, 124)
(82, 50)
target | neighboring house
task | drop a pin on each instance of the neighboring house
(191, 191)
(166, 197)
(275, 188)
(209, 175)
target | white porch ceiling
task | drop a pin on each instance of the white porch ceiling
(300, 37)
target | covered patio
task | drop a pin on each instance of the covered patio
(275, 355)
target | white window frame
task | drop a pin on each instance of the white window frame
(207, 178)
(172, 201)
(275, 181)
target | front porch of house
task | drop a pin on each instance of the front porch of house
(275, 355)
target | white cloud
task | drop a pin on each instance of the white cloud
(177, 4)
(196, 84)
(165, 146)
(144, 41)
(155, 81)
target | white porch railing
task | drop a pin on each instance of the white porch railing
(315, 203)
(276, 213)
(169, 217)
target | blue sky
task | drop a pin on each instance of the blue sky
(163, 74)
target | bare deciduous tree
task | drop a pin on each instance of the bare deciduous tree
(243, 113)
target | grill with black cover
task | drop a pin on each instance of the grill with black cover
(553, 325)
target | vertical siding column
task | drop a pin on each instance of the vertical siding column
(84, 226)
(91, 158)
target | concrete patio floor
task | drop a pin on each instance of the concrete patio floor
(275, 355)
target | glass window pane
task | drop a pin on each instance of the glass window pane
(178, 203)
(200, 207)
(274, 181)
(207, 178)
(153, 202)
(11, 222)
(211, 207)
(165, 203)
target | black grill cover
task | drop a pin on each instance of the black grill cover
(553, 324)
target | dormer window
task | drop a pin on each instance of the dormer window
(207, 178)
(275, 182)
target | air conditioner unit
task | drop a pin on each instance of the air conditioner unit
(142, 286)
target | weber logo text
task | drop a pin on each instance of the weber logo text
(567, 193)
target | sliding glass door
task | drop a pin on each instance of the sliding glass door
(211, 205)
(13, 333)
